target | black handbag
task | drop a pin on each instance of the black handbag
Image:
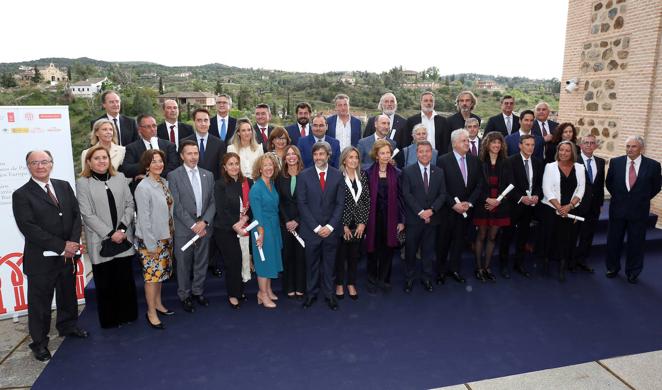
(112, 249)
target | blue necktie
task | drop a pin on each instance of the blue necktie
(202, 149)
(224, 129)
(590, 170)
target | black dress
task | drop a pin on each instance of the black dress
(562, 233)
(494, 177)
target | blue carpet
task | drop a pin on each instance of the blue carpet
(456, 334)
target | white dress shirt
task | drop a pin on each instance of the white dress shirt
(637, 164)
(175, 130)
(512, 123)
(594, 166)
(344, 132)
(429, 125)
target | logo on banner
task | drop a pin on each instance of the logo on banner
(50, 116)
(28, 116)
(54, 129)
(20, 130)
(10, 117)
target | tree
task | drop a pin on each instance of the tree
(161, 89)
(37, 78)
(218, 90)
(7, 80)
(244, 98)
(81, 71)
(69, 73)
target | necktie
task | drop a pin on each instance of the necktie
(528, 172)
(544, 129)
(303, 131)
(202, 149)
(426, 182)
(224, 129)
(474, 151)
(172, 133)
(632, 175)
(509, 125)
(197, 191)
(52, 195)
(119, 135)
(265, 139)
(589, 169)
(322, 181)
(463, 168)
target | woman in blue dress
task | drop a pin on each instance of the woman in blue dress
(264, 199)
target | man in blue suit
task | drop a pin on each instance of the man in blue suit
(300, 129)
(526, 119)
(632, 180)
(342, 126)
(320, 197)
(382, 128)
(318, 134)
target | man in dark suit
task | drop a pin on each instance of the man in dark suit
(126, 127)
(366, 143)
(388, 104)
(527, 179)
(342, 126)
(131, 166)
(595, 183)
(318, 134)
(472, 125)
(424, 193)
(505, 122)
(464, 183)
(465, 103)
(542, 126)
(262, 127)
(211, 149)
(512, 141)
(172, 129)
(300, 129)
(632, 180)
(320, 196)
(46, 212)
(223, 125)
(439, 134)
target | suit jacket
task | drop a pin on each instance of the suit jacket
(365, 146)
(399, 124)
(415, 197)
(521, 182)
(597, 188)
(442, 133)
(479, 143)
(317, 207)
(355, 124)
(294, 131)
(456, 121)
(287, 207)
(258, 136)
(215, 131)
(214, 151)
(45, 225)
(184, 209)
(535, 130)
(497, 123)
(356, 211)
(95, 209)
(128, 131)
(227, 197)
(633, 204)
(512, 143)
(306, 147)
(183, 131)
(455, 186)
(131, 164)
(152, 212)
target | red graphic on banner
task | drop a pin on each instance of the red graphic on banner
(50, 116)
(28, 116)
(10, 117)
(17, 280)
(80, 280)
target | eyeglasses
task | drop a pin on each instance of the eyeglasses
(40, 163)
(318, 126)
(149, 126)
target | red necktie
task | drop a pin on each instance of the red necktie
(172, 133)
(632, 175)
(303, 131)
(265, 139)
(322, 181)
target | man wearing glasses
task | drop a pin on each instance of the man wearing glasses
(222, 125)
(46, 212)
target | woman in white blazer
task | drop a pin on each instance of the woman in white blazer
(563, 186)
(104, 133)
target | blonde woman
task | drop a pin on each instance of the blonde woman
(104, 133)
(245, 145)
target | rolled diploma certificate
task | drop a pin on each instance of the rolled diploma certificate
(392, 135)
(505, 192)
(576, 217)
(259, 248)
(303, 244)
(250, 227)
(395, 152)
(458, 201)
(191, 241)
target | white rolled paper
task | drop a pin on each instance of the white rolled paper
(395, 151)
(154, 141)
(392, 135)
(505, 192)
(259, 248)
(576, 217)
(250, 227)
(457, 201)
(191, 241)
(303, 244)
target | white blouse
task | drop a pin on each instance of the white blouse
(247, 158)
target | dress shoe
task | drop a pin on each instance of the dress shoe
(42, 354)
(612, 274)
(75, 332)
(354, 297)
(159, 326)
(632, 279)
(582, 266)
(522, 271)
(201, 300)
(217, 272)
(441, 280)
(308, 302)
(340, 296)
(265, 301)
(333, 304)
(409, 285)
(187, 305)
(458, 278)
(479, 275)
(504, 273)
(233, 305)
(427, 285)
(489, 275)
(165, 313)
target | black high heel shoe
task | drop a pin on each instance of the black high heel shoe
(168, 312)
(159, 326)
(479, 275)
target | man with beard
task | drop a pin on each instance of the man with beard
(262, 127)
(388, 104)
(366, 143)
(439, 134)
(465, 103)
(302, 127)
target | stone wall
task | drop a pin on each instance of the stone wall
(613, 49)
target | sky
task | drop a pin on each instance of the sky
(508, 37)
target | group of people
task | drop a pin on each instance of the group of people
(305, 203)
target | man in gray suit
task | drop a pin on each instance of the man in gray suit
(382, 128)
(194, 208)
